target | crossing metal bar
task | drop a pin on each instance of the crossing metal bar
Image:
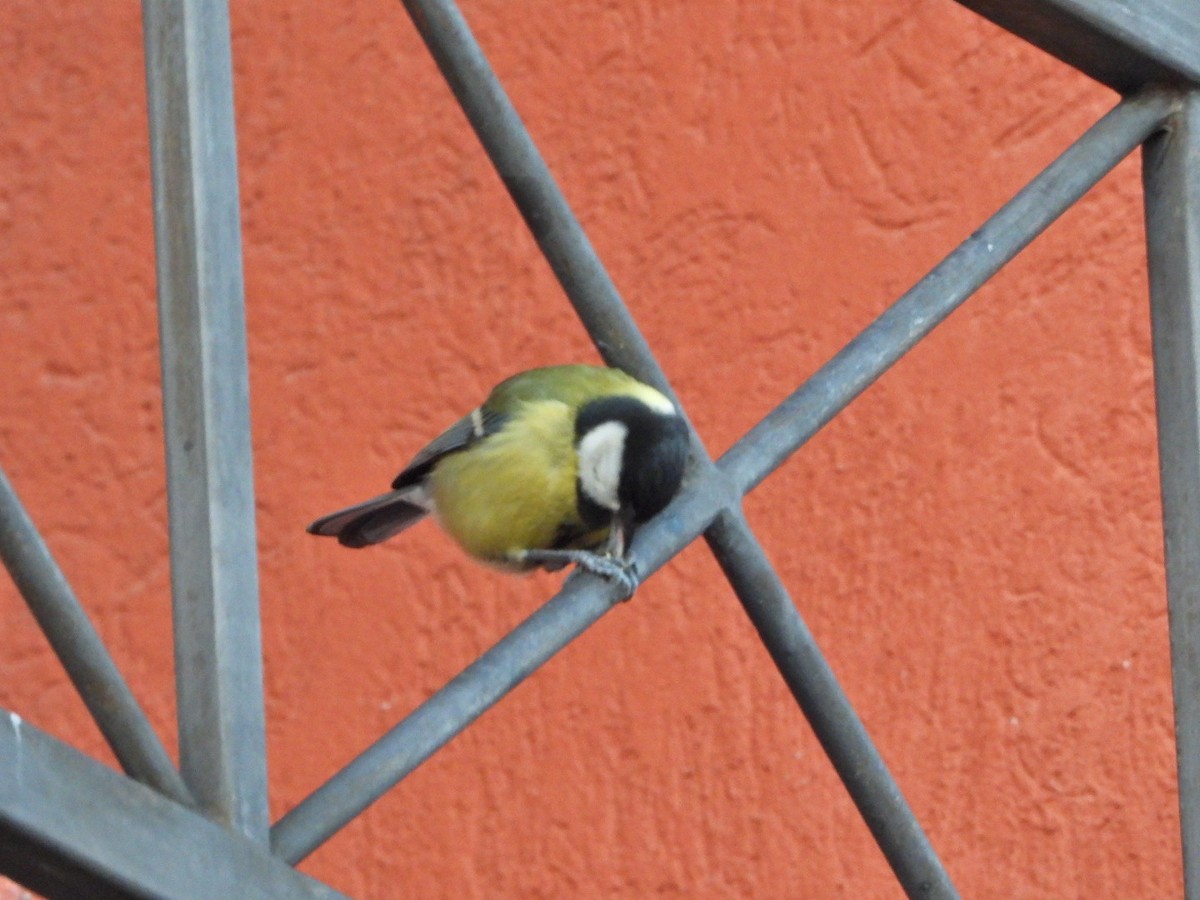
(81, 651)
(595, 298)
(568, 615)
(1171, 172)
(519, 654)
(44, 835)
(769, 443)
(72, 827)
(202, 331)
(830, 390)
(1126, 44)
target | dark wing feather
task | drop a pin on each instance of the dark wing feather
(379, 518)
(459, 436)
(374, 520)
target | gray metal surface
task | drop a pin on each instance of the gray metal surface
(128, 841)
(214, 577)
(81, 651)
(71, 827)
(581, 602)
(1126, 44)
(1171, 169)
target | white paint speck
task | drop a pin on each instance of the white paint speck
(1014, 721)
(1126, 663)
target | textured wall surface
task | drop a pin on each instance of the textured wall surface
(976, 543)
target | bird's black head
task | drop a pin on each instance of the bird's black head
(631, 457)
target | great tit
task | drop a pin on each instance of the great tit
(558, 466)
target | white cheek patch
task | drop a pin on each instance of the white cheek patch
(600, 452)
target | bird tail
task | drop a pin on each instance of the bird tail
(374, 520)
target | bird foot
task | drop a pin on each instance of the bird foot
(621, 571)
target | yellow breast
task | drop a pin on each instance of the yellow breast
(515, 489)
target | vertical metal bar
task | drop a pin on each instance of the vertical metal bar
(214, 579)
(1171, 172)
(82, 653)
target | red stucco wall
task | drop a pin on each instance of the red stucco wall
(975, 543)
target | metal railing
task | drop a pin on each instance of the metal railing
(1152, 56)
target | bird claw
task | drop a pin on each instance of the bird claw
(622, 572)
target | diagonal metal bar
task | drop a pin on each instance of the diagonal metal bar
(72, 827)
(827, 708)
(436, 721)
(534, 191)
(830, 390)
(589, 287)
(202, 330)
(81, 651)
(1126, 44)
(483, 683)
(583, 600)
(1171, 170)
(598, 304)
(766, 446)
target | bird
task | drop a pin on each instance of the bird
(557, 466)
